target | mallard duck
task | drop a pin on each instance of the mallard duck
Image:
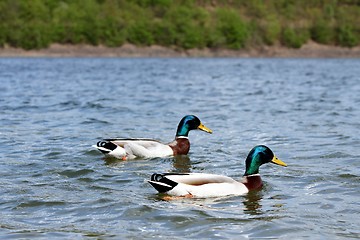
(211, 185)
(130, 148)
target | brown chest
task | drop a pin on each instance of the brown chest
(180, 146)
(252, 182)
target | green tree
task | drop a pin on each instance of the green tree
(232, 27)
(346, 36)
(294, 38)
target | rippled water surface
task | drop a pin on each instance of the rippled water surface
(54, 185)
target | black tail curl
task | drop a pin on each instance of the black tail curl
(108, 145)
(156, 177)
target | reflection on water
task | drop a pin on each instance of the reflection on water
(112, 162)
(182, 164)
(252, 202)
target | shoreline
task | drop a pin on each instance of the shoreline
(309, 50)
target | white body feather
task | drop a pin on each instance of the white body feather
(205, 185)
(142, 148)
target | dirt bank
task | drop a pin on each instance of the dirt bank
(310, 50)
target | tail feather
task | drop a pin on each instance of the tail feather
(160, 187)
(161, 183)
(106, 145)
(111, 149)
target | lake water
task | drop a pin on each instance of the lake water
(54, 185)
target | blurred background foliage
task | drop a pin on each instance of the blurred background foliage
(185, 24)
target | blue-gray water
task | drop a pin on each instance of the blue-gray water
(53, 185)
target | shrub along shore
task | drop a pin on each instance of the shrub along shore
(182, 26)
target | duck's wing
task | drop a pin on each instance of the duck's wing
(196, 184)
(197, 178)
(145, 142)
(136, 147)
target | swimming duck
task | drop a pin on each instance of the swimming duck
(204, 185)
(130, 148)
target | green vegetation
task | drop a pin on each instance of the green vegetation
(182, 24)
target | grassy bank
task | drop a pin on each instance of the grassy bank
(185, 24)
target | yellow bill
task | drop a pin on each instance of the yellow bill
(278, 161)
(204, 128)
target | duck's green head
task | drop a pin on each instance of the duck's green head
(190, 122)
(258, 156)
